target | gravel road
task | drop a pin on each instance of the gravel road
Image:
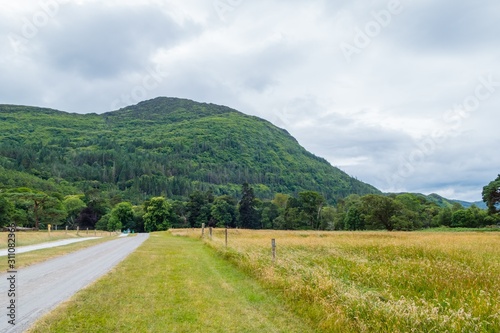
(41, 287)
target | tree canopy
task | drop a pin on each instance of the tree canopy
(491, 196)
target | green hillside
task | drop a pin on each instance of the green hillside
(164, 146)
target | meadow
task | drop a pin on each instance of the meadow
(24, 238)
(173, 284)
(37, 237)
(374, 281)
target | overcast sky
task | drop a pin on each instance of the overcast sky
(404, 95)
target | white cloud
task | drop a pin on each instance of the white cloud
(282, 61)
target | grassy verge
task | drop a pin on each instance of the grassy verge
(173, 284)
(24, 238)
(447, 229)
(34, 257)
(374, 281)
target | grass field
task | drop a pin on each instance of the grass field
(31, 238)
(376, 281)
(24, 238)
(174, 284)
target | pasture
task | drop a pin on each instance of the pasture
(375, 281)
(24, 238)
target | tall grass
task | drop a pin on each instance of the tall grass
(376, 281)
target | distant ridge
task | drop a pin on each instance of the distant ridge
(164, 146)
(444, 202)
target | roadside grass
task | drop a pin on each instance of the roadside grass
(24, 238)
(448, 229)
(376, 281)
(173, 284)
(33, 257)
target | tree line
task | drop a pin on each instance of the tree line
(307, 211)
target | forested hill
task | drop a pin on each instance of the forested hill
(164, 146)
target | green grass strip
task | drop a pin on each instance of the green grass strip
(173, 284)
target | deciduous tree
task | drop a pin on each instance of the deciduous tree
(158, 215)
(122, 216)
(491, 195)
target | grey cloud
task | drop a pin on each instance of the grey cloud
(449, 26)
(104, 42)
(281, 60)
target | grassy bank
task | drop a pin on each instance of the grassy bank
(173, 284)
(24, 238)
(376, 281)
(34, 257)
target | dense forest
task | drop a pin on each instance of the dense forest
(173, 162)
(166, 146)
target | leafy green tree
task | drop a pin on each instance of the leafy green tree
(97, 206)
(378, 210)
(53, 212)
(354, 219)
(180, 214)
(280, 200)
(327, 218)
(43, 207)
(224, 211)
(293, 219)
(444, 217)
(102, 224)
(405, 219)
(158, 215)
(22, 215)
(491, 196)
(6, 211)
(199, 208)
(248, 213)
(491, 220)
(477, 217)
(280, 223)
(459, 219)
(269, 213)
(138, 218)
(342, 208)
(121, 217)
(114, 224)
(73, 205)
(311, 203)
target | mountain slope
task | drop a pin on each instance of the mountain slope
(164, 146)
(443, 202)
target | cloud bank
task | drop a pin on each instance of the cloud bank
(400, 94)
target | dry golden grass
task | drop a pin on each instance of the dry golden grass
(34, 257)
(376, 281)
(24, 238)
(31, 238)
(173, 284)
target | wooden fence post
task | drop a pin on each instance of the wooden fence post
(202, 230)
(273, 246)
(87, 231)
(77, 229)
(66, 230)
(210, 231)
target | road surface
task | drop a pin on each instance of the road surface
(41, 287)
